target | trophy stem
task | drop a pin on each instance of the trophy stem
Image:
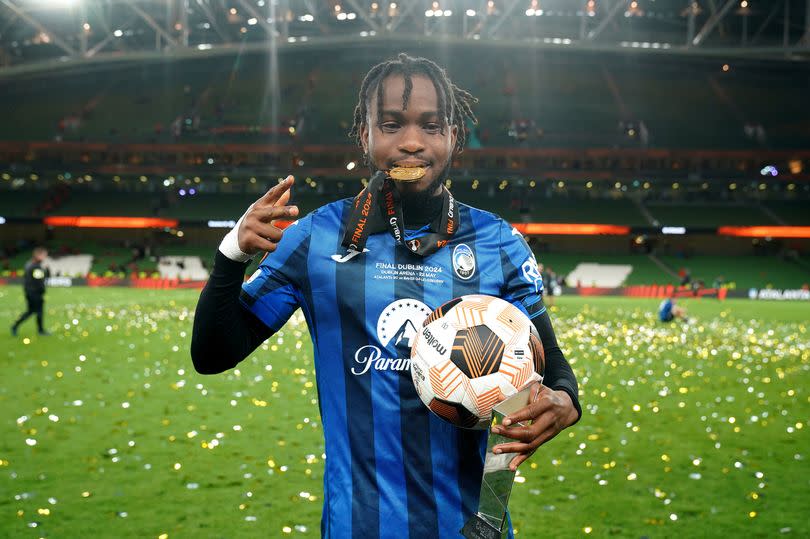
(496, 485)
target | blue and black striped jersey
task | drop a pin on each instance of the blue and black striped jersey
(393, 469)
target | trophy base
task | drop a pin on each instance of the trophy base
(478, 528)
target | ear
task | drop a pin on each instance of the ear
(364, 137)
(453, 138)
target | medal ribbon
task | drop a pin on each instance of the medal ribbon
(379, 207)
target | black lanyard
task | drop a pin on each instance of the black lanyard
(378, 207)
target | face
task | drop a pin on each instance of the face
(412, 137)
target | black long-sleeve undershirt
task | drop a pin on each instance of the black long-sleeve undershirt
(558, 375)
(225, 332)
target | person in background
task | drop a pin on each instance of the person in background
(668, 311)
(34, 287)
(686, 276)
(549, 283)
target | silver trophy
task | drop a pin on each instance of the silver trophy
(490, 520)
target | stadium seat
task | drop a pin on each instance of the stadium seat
(69, 265)
(182, 267)
(600, 275)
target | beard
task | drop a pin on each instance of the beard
(421, 199)
(419, 207)
(425, 196)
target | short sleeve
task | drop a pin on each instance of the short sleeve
(523, 284)
(273, 292)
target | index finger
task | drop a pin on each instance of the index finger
(530, 412)
(274, 195)
(521, 415)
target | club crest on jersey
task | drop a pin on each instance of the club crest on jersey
(463, 261)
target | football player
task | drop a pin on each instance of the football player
(364, 271)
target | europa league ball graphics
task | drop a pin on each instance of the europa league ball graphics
(470, 354)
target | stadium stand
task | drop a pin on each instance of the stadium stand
(514, 204)
(652, 100)
(743, 271)
(791, 212)
(182, 267)
(644, 271)
(20, 203)
(536, 99)
(600, 275)
(708, 215)
(69, 265)
(84, 202)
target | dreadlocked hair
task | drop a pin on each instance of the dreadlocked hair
(455, 104)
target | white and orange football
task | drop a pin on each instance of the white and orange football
(470, 354)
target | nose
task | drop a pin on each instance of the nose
(411, 140)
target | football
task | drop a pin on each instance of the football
(470, 354)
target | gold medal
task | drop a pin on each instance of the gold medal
(406, 174)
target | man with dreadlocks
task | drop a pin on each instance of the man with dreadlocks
(366, 271)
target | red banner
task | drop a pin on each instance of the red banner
(90, 221)
(649, 291)
(765, 231)
(571, 229)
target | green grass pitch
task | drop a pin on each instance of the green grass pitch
(106, 431)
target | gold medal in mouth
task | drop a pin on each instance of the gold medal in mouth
(406, 174)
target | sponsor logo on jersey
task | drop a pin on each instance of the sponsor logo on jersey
(451, 215)
(399, 320)
(350, 253)
(463, 261)
(396, 329)
(532, 273)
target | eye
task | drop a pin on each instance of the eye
(433, 127)
(389, 126)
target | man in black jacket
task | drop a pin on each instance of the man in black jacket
(34, 286)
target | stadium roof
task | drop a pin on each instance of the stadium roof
(35, 34)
